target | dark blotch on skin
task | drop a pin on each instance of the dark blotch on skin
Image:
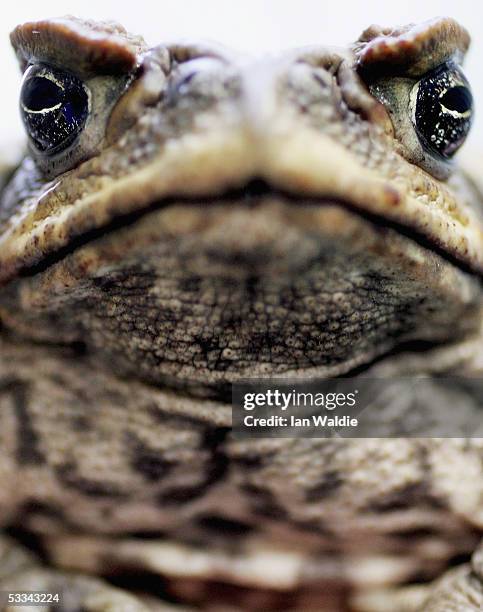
(224, 526)
(328, 486)
(264, 502)
(67, 475)
(410, 496)
(215, 471)
(147, 461)
(28, 451)
(415, 533)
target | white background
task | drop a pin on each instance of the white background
(249, 25)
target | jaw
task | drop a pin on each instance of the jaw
(196, 294)
(292, 160)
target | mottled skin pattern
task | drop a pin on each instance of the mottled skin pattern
(223, 217)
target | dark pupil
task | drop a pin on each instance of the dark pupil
(53, 114)
(443, 114)
(457, 98)
(40, 93)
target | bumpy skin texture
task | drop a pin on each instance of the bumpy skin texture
(231, 218)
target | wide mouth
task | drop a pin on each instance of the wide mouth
(254, 191)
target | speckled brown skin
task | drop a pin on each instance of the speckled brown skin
(232, 218)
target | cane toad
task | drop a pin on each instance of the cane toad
(185, 217)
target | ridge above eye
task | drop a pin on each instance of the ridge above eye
(54, 106)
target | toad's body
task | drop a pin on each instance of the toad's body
(203, 219)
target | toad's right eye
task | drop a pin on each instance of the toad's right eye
(442, 110)
(54, 106)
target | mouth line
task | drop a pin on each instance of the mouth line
(250, 195)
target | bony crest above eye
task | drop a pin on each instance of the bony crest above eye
(441, 105)
(54, 105)
(414, 71)
(76, 72)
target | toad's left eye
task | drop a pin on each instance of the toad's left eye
(54, 106)
(442, 110)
